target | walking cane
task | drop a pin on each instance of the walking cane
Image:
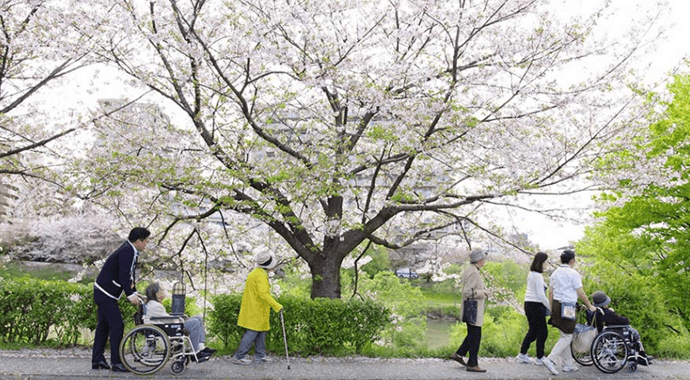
(282, 324)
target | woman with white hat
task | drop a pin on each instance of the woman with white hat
(255, 310)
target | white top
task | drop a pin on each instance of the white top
(536, 289)
(156, 309)
(565, 281)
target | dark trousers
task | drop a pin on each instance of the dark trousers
(537, 328)
(471, 344)
(109, 324)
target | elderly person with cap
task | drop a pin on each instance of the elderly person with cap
(474, 289)
(256, 309)
(606, 316)
(566, 288)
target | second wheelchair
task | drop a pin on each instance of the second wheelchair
(614, 348)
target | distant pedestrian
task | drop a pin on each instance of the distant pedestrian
(566, 288)
(473, 289)
(537, 308)
(255, 310)
(116, 276)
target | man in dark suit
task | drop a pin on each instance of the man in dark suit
(116, 276)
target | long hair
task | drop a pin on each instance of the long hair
(538, 262)
(152, 292)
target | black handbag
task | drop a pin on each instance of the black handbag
(469, 310)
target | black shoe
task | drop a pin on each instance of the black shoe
(100, 365)
(208, 350)
(203, 358)
(119, 368)
(200, 356)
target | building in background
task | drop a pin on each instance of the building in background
(7, 196)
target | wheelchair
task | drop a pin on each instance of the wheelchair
(148, 347)
(614, 348)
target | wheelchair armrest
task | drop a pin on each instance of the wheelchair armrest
(170, 318)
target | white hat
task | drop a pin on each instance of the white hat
(266, 260)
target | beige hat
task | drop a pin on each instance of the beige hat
(477, 255)
(266, 260)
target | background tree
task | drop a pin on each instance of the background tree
(644, 230)
(338, 122)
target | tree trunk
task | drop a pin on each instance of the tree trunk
(325, 277)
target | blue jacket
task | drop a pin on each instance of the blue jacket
(117, 274)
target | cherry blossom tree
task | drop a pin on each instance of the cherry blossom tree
(335, 123)
(41, 43)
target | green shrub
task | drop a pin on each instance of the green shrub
(29, 308)
(320, 326)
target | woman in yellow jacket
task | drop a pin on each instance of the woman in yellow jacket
(255, 310)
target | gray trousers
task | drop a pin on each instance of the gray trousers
(259, 340)
(197, 334)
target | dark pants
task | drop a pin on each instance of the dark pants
(471, 344)
(109, 323)
(537, 328)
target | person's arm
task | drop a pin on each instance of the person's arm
(540, 288)
(583, 296)
(124, 276)
(264, 293)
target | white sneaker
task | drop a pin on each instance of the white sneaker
(538, 361)
(523, 358)
(550, 366)
(570, 368)
(265, 359)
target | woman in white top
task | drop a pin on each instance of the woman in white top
(537, 307)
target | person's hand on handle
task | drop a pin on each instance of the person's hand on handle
(134, 299)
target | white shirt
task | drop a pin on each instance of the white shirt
(565, 281)
(536, 289)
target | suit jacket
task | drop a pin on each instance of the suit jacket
(474, 288)
(117, 274)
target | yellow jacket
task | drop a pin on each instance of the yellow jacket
(256, 302)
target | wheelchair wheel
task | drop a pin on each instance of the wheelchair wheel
(582, 358)
(178, 366)
(609, 352)
(145, 350)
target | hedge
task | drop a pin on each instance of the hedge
(320, 326)
(31, 308)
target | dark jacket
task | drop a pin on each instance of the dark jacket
(609, 318)
(117, 274)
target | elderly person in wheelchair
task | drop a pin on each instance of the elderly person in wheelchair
(155, 311)
(605, 316)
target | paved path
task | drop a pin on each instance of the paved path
(68, 364)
